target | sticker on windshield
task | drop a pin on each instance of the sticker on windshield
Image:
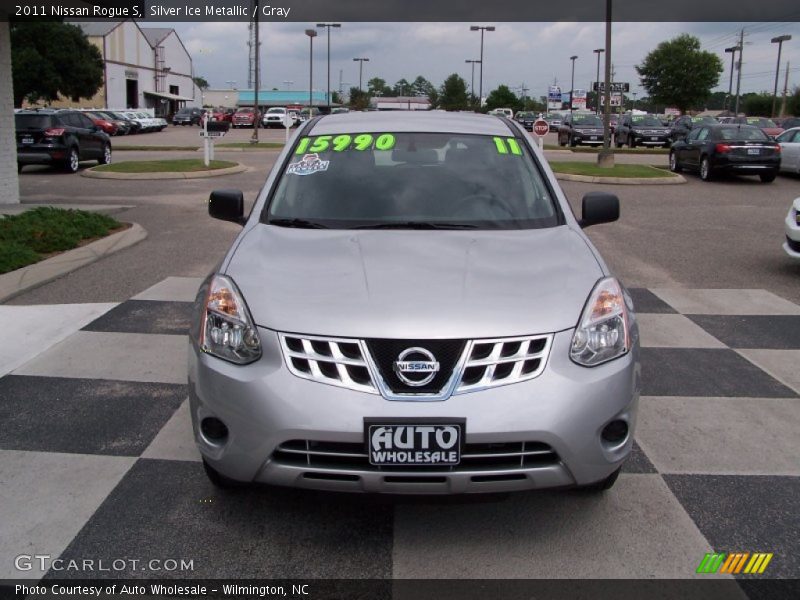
(308, 165)
(340, 143)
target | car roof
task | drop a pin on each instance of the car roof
(400, 121)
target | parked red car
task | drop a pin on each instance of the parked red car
(244, 117)
(766, 125)
(107, 126)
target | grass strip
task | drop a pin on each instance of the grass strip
(185, 165)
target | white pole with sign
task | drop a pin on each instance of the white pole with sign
(540, 129)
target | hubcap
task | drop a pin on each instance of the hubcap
(704, 169)
(73, 160)
(107, 154)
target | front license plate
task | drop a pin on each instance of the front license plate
(414, 444)
(753, 151)
(594, 137)
(653, 139)
(27, 140)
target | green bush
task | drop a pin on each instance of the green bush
(24, 237)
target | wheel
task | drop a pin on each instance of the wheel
(603, 484)
(674, 165)
(705, 169)
(73, 160)
(105, 158)
(631, 141)
(617, 143)
(220, 480)
(572, 143)
(768, 177)
(561, 141)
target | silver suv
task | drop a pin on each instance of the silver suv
(411, 307)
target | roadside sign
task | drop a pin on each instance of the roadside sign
(616, 86)
(288, 121)
(540, 127)
(211, 134)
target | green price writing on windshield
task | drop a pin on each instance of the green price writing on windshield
(506, 145)
(342, 142)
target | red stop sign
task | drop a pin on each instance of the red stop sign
(541, 127)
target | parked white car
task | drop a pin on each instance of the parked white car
(792, 244)
(790, 150)
(274, 117)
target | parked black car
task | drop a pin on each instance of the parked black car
(526, 119)
(681, 126)
(788, 122)
(59, 137)
(580, 128)
(187, 116)
(133, 126)
(644, 130)
(741, 149)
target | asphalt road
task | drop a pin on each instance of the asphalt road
(725, 234)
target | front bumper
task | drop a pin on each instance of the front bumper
(588, 138)
(651, 139)
(792, 244)
(263, 405)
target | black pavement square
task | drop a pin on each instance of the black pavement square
(705, 372)
(645, 301)
(638, 462)
(773, 332)
(738, 513)
(84, 416)
(169, 509)
(145, 316)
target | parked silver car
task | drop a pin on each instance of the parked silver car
(411, 307)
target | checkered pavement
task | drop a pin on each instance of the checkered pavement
(97, 460)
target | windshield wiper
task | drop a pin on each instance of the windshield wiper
(417, 225)
(298, 223)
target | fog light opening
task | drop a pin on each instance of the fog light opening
(214, 430)
(615, 432)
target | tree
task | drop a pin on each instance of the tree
(377, 87)
(502, 97)
(758, 105)
(359, 99)
(793, 103)
(422, 87)
(402, 88)
(677, 73)
(43, 69)
(453, 93)
(201, 82)
(336, 98)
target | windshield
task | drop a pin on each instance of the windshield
(587, 121)
(413, 181)
(742, 133)
(709, 120)
(276, 110)
(760, 122)
(646, 121)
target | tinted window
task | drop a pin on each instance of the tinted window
(742, 133)
(760, 122)
(83, 121)
(703, 133)
(646, 121)
(33, 121)
(587, 120)
(446, 179)
(692, 135)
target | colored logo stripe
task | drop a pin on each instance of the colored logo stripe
(735, 562)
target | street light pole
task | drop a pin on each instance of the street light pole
(598, 51)
(472, 84)
(256, 114)
(481, 28)
(572, 84)
(732, 50)
(739, 76)
(360, 69)
(328, 27)
(778, 40)
(311, 33)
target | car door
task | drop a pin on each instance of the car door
(790, 150)
(690, 155)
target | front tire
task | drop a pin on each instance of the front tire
(674, 165)
(631, 141)
(73, 160)
(705, 169)
(105, 157)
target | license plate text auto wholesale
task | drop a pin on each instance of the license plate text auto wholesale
(27, 140)
(753, 151)
(418, 444)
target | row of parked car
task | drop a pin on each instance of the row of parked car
(124, 122)
(243, 117)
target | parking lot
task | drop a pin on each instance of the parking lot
(113, 471)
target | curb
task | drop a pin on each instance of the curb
(168, 175)
(677, 179)
(21, 280)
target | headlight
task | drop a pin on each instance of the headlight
(603, 332)
(227, 330)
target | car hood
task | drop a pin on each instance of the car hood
(414, 284)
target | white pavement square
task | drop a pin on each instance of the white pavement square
(673, 331)
(175, 289)
(175, 441)
(721, 436)
(637, 529)
(725, 302)
(45, 500)
(783, 365)
(149, 357)
(30, 330)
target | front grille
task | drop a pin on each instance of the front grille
(335, 361)
(385, 352)
(474, 457)
(502, 361)
(369, 365)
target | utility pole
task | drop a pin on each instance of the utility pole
(606, 157)
(732, 50)
(739, 76)
(256, 115)
(778, 40)
(785, 89)
(598, 51)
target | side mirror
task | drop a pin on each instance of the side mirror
(227, 205)
(599, 207)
